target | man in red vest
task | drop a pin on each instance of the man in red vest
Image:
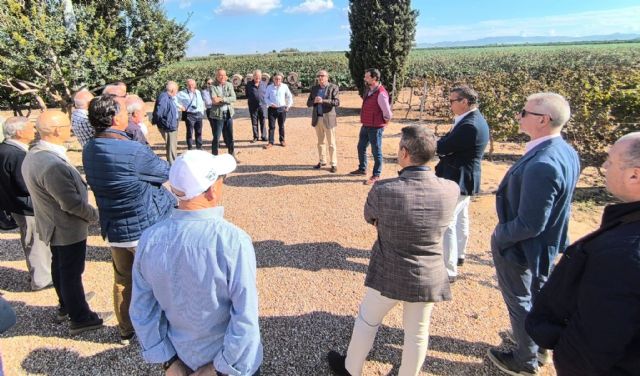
(374, 116)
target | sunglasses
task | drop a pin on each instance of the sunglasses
(455, 100)
(524, 113)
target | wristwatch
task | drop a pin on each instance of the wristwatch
(166, 365)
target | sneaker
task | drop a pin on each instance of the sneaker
(319, 165)
(254, 140)
(336, 363)
(93, 323)
(268, 146)
(460, 262)
(61, 313)
(126, 340)
(508, 364)
(372, 180)
(544, 355)
(358, 172)
(333, 169)
(453, 279)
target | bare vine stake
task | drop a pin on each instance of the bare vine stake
(393, 92)
(423, 100)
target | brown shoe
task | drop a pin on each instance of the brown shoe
(358, 172)
(334, 169)
(372, 180)
(283, 144)
(268, 146)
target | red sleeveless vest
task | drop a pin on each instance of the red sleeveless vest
(371, 113)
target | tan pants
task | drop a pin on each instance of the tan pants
(171, 147)
(328, 135)
(122, 264)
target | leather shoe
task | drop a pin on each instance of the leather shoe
(460, 262)
(507, 363)
(268, 146)
(357, 172)
(336, 363)
(372, 180)
(254, 140)
(283, 144)
(334, 169)
(319, 165)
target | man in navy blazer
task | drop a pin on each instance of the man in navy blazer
(165, 116)
(533, 205)
(461, 152)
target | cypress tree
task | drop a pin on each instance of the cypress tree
(382, 34)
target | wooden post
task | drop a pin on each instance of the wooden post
(393, 92)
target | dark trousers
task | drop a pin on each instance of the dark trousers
(222, 127)
(280, 115)
(257, 118)
(194, 124)
(67, 266)
(373, 136)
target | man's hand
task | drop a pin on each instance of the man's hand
(207, 370)
(178, 368)
(217, 100)
(317, 99)
(273, 106)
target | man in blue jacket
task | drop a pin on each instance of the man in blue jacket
(126, 178)
(461, 152)
(589, 311)
(533, 206)
(165, 116)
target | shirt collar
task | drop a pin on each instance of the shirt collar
(18, 144)
(57, 149)
(81, 111)
(457, 119)
(533, 143)
(194, 215)
(414, 168)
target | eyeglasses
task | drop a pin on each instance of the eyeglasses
(455, 100)
(524, 113)
(321, 75)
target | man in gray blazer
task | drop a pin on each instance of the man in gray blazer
(410, 213)
(324, 100)
(63, 214)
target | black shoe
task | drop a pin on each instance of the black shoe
(126, 340)
(358, 172)
(452, 279)
(62, 315)
(336, 363)
(507, 364)
(93, 323)
(334, 169)
(264, 139)
(254, 140)
(460, 261)
(319, 165)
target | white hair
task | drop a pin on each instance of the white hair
(14, 124)
(135, 107)
(171, 85)
(257, 71)
(554, 105)
(631, 155)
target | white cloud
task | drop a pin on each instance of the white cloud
(622, 20)
(183, 4)
(241, 7)
(311, 6)
(199, 48)
(345, 27)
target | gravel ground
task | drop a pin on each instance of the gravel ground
(312, 247)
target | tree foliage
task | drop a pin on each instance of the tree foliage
(382, 34)
(52, 48)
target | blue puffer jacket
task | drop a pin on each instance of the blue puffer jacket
(126, 178)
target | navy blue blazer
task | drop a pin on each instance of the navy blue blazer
(533, 203)
(461, 152)
(165, 113)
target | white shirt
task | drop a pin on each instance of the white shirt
(457, 119)
(533, 143)
(59, 150)
(279, 96)
(19, 144)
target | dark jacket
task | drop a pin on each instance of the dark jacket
(14, 196)
(255, 94)
(126, 178)
(410, 213)
(598, 331)
(165, 113)
(330, 101)
(533, 203)
(461, 152)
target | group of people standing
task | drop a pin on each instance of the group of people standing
(185, 278)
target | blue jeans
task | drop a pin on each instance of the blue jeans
(371, 136)
(7, 316)
(224, 128)
(515, 281)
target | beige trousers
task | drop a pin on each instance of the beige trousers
(326, 136)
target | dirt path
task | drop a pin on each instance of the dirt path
(312, 247)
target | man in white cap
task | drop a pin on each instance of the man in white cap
(195, 303)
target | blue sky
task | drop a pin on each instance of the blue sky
(249, 26)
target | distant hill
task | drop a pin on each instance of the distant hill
(492, 41)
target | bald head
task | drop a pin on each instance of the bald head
(54, 126)
(630, 149)
(118, 89)
(81, 99)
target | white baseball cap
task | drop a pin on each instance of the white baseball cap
(195, 171)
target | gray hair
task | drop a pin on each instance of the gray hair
(420, 143)
(257, 71)
(135, 106)
(14, 124)
(171, 85)
(554, 105)
(467, 93)
(278, 74)
(631, 156)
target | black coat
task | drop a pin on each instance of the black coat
(589, 310)
(461, 152)
(14, 196)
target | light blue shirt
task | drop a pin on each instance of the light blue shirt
(191, 101)
(194, 293)
(206, 96)
(280, 96)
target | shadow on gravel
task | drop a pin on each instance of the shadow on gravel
(242, 168)
(11, 250)
(14, 280)
(125, 360)
(309, 256)
(39, 321)
(298, 345)
(266, 180)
